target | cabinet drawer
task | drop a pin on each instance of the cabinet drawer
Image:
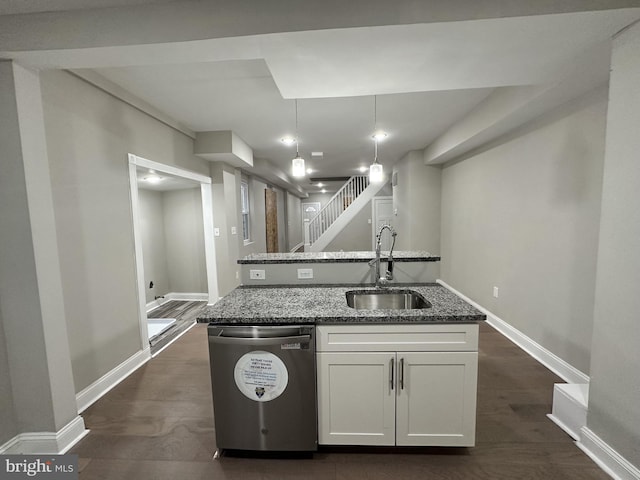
(397, 338)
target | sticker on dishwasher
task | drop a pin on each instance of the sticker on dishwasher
(261, 376)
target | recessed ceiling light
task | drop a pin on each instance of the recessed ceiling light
(323, 191)
(320, 184)
(309, 170)
(152, 179)
(288, 140)
(363, 169)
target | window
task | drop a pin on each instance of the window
(244, 198)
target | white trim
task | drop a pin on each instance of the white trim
(209, 243)
(564, 370)
(161, 167)
(569, 409)
(137, 247)
(606, 457)
(296, 247)
(187, 297)
(97, 389)
(174, 339)
(46, 442)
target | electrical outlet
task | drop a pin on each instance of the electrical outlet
(495, 292)
(257, 275)
(305, 273)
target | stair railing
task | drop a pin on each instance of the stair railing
(334, 207)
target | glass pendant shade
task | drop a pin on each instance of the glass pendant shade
(375, 173)
(297, 167)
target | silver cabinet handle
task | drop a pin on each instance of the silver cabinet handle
(391, 367)
(402, 374)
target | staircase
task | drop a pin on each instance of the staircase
(352, 197)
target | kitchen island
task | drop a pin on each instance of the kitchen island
(404, 377)
(302, 304)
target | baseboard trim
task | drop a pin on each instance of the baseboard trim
(97, 389)
(564, 370)
(46, 442)
(184, 296)
(187, 296)
(606, 457)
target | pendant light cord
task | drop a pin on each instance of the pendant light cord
(375, 126)
(297, 153)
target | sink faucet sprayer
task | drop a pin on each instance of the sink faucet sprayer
(388, 276)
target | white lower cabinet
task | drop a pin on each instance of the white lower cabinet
(396, 385)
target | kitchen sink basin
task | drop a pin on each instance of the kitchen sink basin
(395, 299)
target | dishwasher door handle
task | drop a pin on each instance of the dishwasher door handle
(258, 342)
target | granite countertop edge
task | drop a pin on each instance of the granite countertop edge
(333, 257)
(326, 305)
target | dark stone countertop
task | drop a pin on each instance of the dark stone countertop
(327, 305)
(335, 257)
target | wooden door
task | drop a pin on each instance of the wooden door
(271, 220)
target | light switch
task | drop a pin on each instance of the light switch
(495, 292)
(233, 230)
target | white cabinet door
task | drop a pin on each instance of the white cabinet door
(436, 401)
(356, 399)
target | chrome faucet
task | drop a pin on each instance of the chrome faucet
(388, 276)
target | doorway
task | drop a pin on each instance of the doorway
(195, 188)
(382, 214)
(309, 210)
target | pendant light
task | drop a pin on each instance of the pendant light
(297, 164)
(376, 173)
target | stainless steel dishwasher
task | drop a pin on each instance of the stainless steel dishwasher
(263, 380)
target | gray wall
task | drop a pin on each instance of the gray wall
(184, 239)
(614, 393)
(417, 200)
(89, 134)
(258, 224)
(31, 295)
(356, 235)
(224, 192)
(524, 216)
(8, 421)
(295, 235)
(154, 251)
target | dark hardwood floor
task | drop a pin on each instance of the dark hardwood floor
(158, 424)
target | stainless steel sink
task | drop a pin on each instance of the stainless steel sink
(395, 299)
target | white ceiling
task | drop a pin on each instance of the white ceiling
(425, 76)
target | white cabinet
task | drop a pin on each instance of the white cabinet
(397, 384)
